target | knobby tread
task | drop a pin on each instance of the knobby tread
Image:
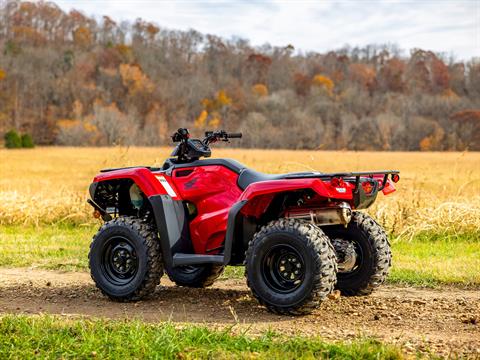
(215, 273)
(320, 248)
(383, 256)
(205, 280)
(154, 262)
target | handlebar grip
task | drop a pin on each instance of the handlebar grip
(234, 135)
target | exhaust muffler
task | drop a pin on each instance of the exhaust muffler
(340, 214)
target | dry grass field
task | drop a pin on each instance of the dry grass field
(438, 192)
(433, 221)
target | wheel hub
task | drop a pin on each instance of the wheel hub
(120, 262)
(283, 268)
(346, 254)
(122, 258)
(289, 267)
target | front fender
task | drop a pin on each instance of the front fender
(150, 183)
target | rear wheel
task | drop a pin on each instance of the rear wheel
(290, 266)
(363, 252)
(197, 276)
(125, 260)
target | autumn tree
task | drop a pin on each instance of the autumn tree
(67, 78)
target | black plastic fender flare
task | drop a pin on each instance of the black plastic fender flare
(175, 242)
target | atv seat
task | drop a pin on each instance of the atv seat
(249, 176)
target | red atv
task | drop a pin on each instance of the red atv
(298, 235)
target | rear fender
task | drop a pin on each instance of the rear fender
(260, 195)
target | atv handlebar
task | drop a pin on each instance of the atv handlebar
(235, 135)
(189, 149)
(182, 134)
(213, 136)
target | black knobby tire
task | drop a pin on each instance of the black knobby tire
(290, 242)
(374, 257)
(125, 259)
(198, 276)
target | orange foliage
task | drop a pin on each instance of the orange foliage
(440, 75)
(364, 75)
(134, 78)
(3, 74)
(211, 110)
(259, 64)
(392, 74)
(467, 116)
(215, 121)
(323, 82)
(28, 35)
(260, 90)
(450, 94)
(219, 101)
(82, 37)
(125, 50)
(426, 144)
(201, 120)
(152, 30)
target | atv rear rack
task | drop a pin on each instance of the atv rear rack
(357, 175)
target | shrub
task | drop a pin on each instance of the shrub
(12, 140)
(27, 141)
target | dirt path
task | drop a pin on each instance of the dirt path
(445, 321)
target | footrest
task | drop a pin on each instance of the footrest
(181, 259)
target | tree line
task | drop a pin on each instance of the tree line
(69, 79)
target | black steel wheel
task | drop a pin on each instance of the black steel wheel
(290, 266)
(120, 261)
(125, 260)
(283, 268)
(363, 252)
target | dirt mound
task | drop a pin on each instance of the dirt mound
(445, 322)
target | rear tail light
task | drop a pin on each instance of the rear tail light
(337, 182)
(395, 178)
(367, 187)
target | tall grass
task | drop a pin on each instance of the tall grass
(438, 193)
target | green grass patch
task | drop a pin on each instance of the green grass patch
(58, 247)
(428, 260)
(26, 337)
(435, 261)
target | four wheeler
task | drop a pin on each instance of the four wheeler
(299, 235)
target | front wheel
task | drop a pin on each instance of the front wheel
(363, 252)
(125, 259)
(290, 266)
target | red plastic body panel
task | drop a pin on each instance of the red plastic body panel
(213, 190)
(146, 180)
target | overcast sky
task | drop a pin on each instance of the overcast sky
(442, 25)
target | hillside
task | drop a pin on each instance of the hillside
(69, 79)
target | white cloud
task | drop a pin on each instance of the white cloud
(443, 25)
